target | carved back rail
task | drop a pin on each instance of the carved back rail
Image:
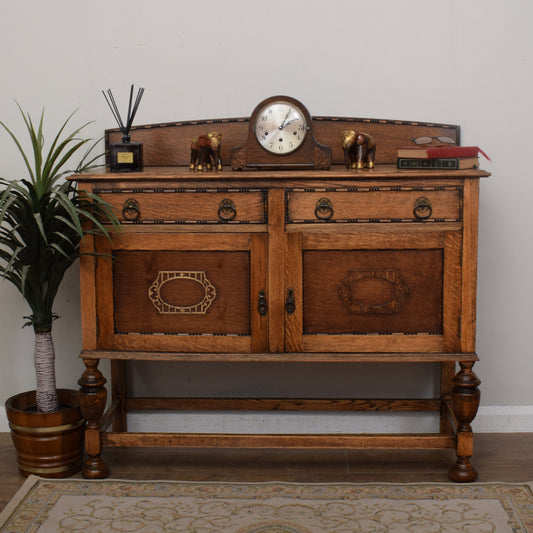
(168, 144)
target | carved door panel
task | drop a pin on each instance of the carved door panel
(183, 292)
(374, 292)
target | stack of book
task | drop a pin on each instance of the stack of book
(440, 157)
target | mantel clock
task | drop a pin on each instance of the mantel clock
(280, 136)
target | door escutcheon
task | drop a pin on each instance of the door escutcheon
(262, 305)
(290, 304)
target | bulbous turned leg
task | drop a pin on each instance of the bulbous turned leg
(93, 397)
(465, 401)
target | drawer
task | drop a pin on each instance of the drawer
(187, 206)
(374, 204)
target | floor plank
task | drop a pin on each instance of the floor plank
(498, 457)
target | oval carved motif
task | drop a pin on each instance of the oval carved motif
(166, 276)
(373, 291)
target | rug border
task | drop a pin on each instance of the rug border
(6, 512)
(33, 479)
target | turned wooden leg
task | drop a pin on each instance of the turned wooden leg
(465, 401)
(93, 397)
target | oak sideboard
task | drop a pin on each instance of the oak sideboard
(282, 265)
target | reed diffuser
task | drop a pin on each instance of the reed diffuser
(125, 156)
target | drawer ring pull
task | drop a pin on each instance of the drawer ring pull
(131, 209)
(324, 209)
(423, 208)
(227, 209)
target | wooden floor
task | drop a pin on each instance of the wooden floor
(498, 457)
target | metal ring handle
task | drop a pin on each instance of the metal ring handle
(131, 210)
(324, 209)
(422, 209)
(227, 209)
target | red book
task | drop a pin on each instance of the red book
(440, 152)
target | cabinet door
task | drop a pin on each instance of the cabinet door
(186, 292)
(374, 291)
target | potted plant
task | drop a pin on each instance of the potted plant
(43, 219)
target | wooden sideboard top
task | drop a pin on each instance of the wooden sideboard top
(336, 172)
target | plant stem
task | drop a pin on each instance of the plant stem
(44, 359)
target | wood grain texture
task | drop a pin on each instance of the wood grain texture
(259, 285)
(369, 205)
(194, 206)
(193, 440)
(181, 176)
(469, 286)
(294, 283)
(87, 288)
(452, 274)
(276, 269)
(169, 143)
(298, 357)
(280, 404)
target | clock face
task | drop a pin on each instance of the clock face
(280, 127)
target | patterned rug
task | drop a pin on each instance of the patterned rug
(73, 505)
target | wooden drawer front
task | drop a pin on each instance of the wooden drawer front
(188, 206)
(374, 204)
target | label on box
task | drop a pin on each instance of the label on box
(125, 157)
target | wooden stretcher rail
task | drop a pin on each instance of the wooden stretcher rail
(280, 404)
(294, 441)
(307, 357)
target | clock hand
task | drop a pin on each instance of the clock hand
(284, 123)
(290, 122)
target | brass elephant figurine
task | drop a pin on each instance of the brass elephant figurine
(205, 150)
(359, 149)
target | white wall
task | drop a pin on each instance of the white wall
(466, 62)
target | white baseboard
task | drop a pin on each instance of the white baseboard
(504, 419)
(490, 419)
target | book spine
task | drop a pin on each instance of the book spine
(446, 152)
(443, 163)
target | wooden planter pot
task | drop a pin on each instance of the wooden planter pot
(47, 444)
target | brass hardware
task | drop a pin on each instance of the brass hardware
(48, 471)
(262, 306)
(423, 208)
(131, 209)
(290, 305)
(55, 429)
(226, 209)
(166, 308)
(324, 209)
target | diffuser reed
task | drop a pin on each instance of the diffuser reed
(125, 156)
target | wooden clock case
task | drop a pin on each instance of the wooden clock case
(310, 155)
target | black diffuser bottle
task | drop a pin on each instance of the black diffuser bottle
(125, 156)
